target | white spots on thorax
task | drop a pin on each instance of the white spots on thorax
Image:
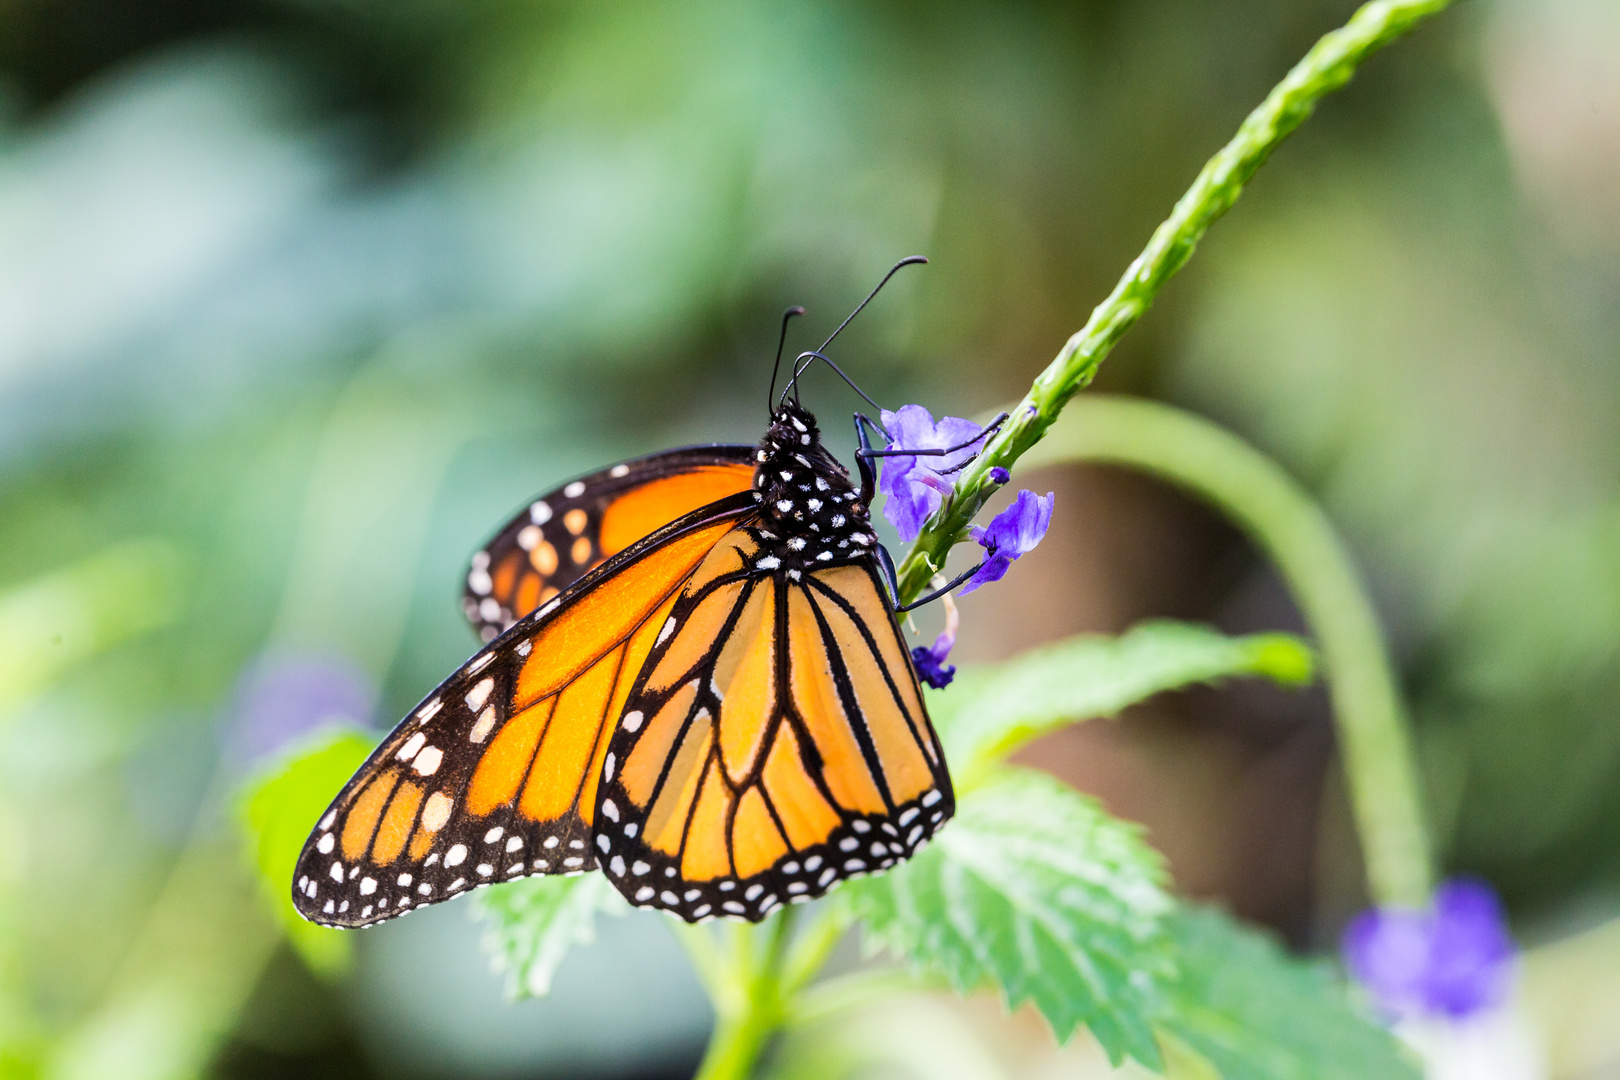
(793, 575)
(436, 811)
(618, 471)
(540, 513)
(824, 556)
(368, 886)
(412, 745)
(769, 562)
(760, 455)
(796, 543)
(814, 504)
(821, 483)
(427, 762)
(838, 521)
(784, 505)
(456, 855)
(326, 843)
(786, 474)
(494, 834)
(574, 490)
(486, 723)
(480, 694)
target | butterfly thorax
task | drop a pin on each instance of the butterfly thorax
(811, 513)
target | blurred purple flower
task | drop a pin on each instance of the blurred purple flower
(1453, 960)
(282, 698)
(915, 486)
(1013, 532)
(998, 475)
(930, 660)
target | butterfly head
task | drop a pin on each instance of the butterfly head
(804, 493)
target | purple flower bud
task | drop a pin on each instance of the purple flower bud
(916, 486)
(1013, 532)
(998, 475)
(1453, 960)
(930, 660)
(282, 698)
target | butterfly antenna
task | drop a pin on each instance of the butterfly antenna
(907, 261)
(802, 364)
(787, 317)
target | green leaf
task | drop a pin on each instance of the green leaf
(1255, 1013)
(276, 810)
(531, 924)
(1033, 888)
(988, 712)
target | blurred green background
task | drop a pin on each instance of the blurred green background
(298, 298)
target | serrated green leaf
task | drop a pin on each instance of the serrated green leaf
(531, 924)
(988, 712)
(1035, 889)
(1255, 1013)
(276, 810)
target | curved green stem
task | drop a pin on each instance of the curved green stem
(1328, 66)
(1286, 523)
(750, 998)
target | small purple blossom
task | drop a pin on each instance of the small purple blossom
(998, 475)
(1453, 960)
(930, 660)
(282, 698)
(1013, 532)
(916, 486)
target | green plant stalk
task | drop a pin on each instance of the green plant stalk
(1328, 66)
(752, 1000)
(753, 992)
(1280, 517)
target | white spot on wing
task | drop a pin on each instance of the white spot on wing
(540, 513)
(575, 490)
(480, 694)
(412, 745)
(486, 723)
(427, 762)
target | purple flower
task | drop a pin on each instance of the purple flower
(1453, 960)
(1013, 532)
(915, 486)
(930, 660)
(282, 698)
(998, 475)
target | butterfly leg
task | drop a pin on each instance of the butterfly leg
(892, 581)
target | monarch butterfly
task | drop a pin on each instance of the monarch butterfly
(693, 679)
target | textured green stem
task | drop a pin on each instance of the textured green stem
(750, 1006)
(1328, 66)
(1280, 517)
